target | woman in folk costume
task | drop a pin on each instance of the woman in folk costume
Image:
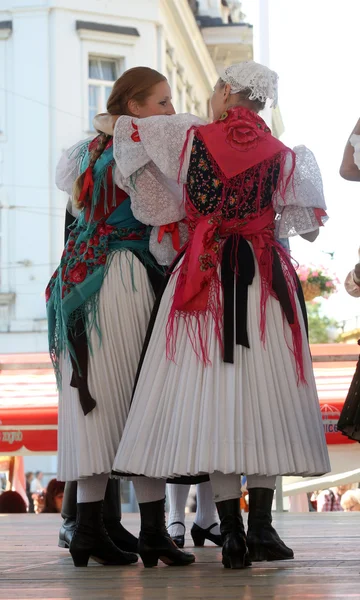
(99, 302)
(226, 384)
(112, 514)
(349, 422)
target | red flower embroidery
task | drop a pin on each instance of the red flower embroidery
(63, 273)
(206, 261)
(47, 293)
(82, 248)
(244, 133)
(95, 240)
(78, 273)
(102, 260)
(104, 229)
(135, 136)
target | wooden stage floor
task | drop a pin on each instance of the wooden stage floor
(326, 565)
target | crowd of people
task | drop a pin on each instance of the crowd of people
(178, 327)
(39, 499)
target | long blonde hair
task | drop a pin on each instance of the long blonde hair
(135, 84)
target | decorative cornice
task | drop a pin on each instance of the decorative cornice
(105, 28)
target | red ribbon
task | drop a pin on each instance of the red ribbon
(88, 186)
(204, 248)
(173, 229)
(319, 213)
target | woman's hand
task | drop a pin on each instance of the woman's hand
(348, 169)
(311, 236)
(105, 123)
(357, 273)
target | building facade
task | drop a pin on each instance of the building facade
(58, 61)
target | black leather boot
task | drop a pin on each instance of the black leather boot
(262, 540)
(90, 539)
(234, 553)
(155, 542)
(68, 513)
(121, 537)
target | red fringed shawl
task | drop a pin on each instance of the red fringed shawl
(244, 154)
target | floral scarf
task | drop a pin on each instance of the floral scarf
(73, 290)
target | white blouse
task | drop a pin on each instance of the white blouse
(158, 151)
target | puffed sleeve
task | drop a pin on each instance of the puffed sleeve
(68, 167)
(159, 139)
(302, 208)
(148, 154)
(355, 142)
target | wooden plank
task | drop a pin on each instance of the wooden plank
(326, 565)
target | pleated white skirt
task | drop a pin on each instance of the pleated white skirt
(248, 417)
(87, 444)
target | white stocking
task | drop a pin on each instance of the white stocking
(149, 490)
(92, 489)
(177, 495)
(206, 513)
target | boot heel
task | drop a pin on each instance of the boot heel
(198, 538)
(80, 558)
(62, 544)
(236, 562)
(150, 559)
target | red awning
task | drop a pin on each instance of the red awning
(28, 405)
(28, 398)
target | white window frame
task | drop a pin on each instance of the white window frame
(110, 46)
(102, 83)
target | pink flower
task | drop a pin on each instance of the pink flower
(329, 284)
(315, 274)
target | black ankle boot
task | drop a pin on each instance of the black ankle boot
(90, 539)
(68, 513)
(121, 537)
(235, 553)
(155, 542)
(262, 540)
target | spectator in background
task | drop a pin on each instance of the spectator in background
(54, 497)
(29, 477)
(330, 500)
(36, 485)
(12, 502)
(350, 501)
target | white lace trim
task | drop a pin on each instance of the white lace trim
(67, 169)
(295, 212)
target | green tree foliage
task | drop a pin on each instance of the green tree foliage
(321, 327)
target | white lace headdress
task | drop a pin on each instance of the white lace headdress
(250, 75)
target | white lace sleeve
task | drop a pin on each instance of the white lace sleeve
(155, 200)
(158, 139)
(355, 142)
(68, 167)
(303, 205)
